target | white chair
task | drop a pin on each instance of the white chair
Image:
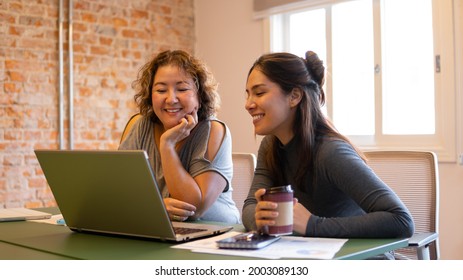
(414, 177)
(243, 173)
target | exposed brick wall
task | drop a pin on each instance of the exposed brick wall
(112, 39)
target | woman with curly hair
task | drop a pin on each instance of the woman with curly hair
(188, 148)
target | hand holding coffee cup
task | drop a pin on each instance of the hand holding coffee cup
(282, 223)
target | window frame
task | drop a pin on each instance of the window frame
(443, 142)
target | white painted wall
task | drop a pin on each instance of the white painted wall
(229, 40)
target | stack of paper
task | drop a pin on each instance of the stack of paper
(286, 247)
(21, 214)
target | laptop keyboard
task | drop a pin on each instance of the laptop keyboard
(184, 230)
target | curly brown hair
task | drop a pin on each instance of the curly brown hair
(206, 85)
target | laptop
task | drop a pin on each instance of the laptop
(114, 192)
(22, 214)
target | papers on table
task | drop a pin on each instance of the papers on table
(21, 214)
(286, 247)
(54, 220)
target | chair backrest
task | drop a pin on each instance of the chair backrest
(129, 125)
(243, 173)
(414, 177)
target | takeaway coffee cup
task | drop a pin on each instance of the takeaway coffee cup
(283, 195)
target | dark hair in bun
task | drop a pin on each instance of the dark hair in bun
(310, 125)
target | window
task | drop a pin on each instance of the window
(390, 68)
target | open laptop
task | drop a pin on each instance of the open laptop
(113, 192)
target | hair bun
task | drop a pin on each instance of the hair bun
(315, 67)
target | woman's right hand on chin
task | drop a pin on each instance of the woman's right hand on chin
(181, 131)
(265, 212)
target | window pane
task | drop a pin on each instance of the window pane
(353, 68)
(304, 37)
(408, 67)
(307, 32)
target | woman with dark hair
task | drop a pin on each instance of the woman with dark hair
(336, 193)
(188, 148)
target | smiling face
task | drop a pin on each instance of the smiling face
(174, 95)
(271, 109)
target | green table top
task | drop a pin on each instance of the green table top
(15, 252)
(30, 240)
